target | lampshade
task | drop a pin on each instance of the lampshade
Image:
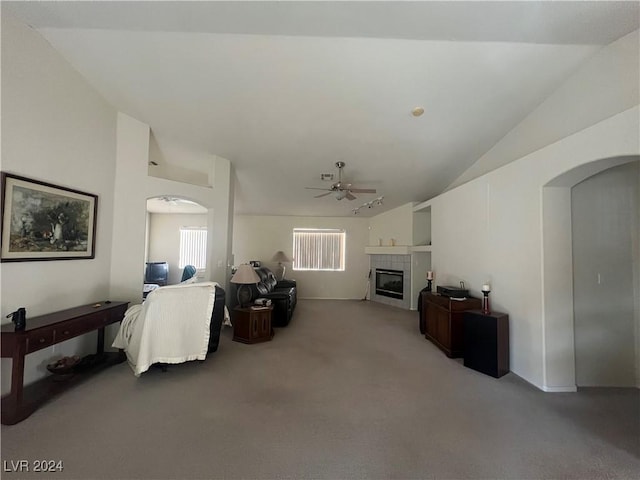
(245, 275)
(280, 257)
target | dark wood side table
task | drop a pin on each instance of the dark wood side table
(42, 332)
(486, 342)
(252, 325)
(443, 321)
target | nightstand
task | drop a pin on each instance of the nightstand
(252, 324)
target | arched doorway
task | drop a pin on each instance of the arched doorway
(558, 274)
(176, 233)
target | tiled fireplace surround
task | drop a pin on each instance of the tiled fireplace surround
(392, 262)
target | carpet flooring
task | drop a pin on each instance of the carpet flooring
(349, 389)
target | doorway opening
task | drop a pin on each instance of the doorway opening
(176, 233)
(559, 368)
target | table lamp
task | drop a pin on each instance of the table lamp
(281, 258)
(244, 276)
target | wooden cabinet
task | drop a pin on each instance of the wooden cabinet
(251, 325)
(486, 342)
(443, 320)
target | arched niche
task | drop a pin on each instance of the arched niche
(557, 272)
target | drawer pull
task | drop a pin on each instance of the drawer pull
(66, 332)
(42, 340)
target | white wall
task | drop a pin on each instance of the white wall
(396, 223)
(604, 209)
(57, 129)
(132, 189)
(604, 86)
(501, 240)
(259, 237)
(164, 239)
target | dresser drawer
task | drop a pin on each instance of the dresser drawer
(63, 333)
(97, 320)
(39, 339)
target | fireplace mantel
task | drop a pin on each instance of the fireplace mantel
(396, 250)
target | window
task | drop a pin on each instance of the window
(193, 247)
(317, 249)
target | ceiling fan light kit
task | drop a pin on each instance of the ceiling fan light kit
(340, 189)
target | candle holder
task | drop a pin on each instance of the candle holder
(485, 302)
(429, 285)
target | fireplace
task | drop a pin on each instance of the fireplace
(389, 283)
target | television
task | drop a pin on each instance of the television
(156, 272)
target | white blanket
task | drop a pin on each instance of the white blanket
(171, 326)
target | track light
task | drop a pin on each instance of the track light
(371, 204)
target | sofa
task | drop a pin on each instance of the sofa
(282, 293)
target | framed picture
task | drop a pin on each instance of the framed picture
(41, 221)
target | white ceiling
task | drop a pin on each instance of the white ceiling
(285, 89)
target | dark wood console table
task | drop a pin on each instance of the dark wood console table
(42, 332)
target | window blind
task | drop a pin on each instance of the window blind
(193, 247)
(318, 249)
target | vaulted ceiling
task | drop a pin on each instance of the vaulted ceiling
(285, 89)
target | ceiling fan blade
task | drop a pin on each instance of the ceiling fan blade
(322, 194)
(317, 188)
(350, 196)
(363, 190)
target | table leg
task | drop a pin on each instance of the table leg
(100, 349)
(13, 402)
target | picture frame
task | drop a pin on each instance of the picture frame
(43, 221)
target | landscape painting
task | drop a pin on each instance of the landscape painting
(41, 221)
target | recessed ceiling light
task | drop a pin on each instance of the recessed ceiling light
(416, 112)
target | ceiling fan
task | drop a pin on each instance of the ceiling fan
(175, 200)
(340, 189)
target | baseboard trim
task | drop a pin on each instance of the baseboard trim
(567, 389)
